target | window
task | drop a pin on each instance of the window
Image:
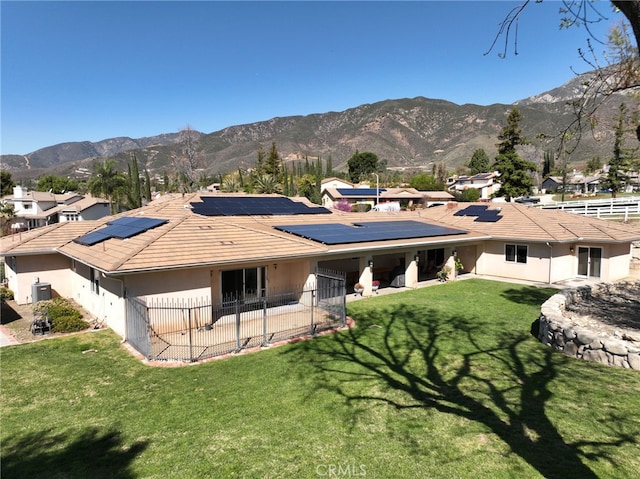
(94, 276)
(246, 284)
(515, 253)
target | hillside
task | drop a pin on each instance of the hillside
(405, 132)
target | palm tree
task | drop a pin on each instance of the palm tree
(108, 183)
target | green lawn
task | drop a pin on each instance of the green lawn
(441, 382)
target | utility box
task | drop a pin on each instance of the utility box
(40, 292)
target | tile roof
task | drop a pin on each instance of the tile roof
(534, 224)
(192, 240)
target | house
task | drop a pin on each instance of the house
(485, 183)
(577, 183)
(218, 245)
(34, 209)
(366, 197)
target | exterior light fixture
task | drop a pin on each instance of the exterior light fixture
(370, 263)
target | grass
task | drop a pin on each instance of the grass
(441, 382)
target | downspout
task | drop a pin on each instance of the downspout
(550, 259)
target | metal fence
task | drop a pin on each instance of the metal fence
(195, 329)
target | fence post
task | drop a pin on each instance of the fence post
(264, 321)
(190, 335)
(237, 324)
(313, 308)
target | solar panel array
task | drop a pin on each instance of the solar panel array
(337, 233)
(364, 192)
(121, 228)
(253, 206)
(482, 213)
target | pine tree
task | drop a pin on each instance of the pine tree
(147, 185)
(548, 164)
(514, 171)
(479, 162)
(616, 178)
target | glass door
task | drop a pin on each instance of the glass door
(589, 261)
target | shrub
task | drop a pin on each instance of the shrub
(5, 293)
(64, 317)
(68, 324)
(56, 308)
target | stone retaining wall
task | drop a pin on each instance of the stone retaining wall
(592, 343)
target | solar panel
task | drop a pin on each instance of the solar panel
(92, 238)
(337, 233)
(482, 213)
(253, 206)
(366, 192)
(120, 228)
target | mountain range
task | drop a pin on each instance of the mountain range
(407, 133)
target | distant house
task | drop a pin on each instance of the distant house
(576, 183)
(485, 183)
(367, 197)
(35, 209)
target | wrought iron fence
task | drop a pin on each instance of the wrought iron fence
(195, 329)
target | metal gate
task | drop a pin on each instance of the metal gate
(332, 291)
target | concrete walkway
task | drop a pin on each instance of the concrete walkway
(6, 339)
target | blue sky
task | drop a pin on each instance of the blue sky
(76, 71)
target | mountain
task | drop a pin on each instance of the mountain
(407, 133)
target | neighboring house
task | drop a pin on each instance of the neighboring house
(217, 245)
(575, 184)
(485, 183)
(368, 197)
(34, 209)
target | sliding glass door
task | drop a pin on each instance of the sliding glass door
(589, 261)
(246, 284)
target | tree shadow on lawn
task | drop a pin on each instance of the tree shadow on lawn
(534, 297)
(417, 358)
(48, 455)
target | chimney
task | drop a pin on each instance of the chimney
(19, 191)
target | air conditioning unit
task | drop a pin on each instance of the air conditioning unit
(40, 292)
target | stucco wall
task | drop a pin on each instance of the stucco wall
(618, 263)
(535, 269)
(49, 268)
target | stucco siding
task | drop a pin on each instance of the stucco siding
(47, 268)
(536, 268)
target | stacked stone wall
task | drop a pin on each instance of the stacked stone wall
(584, 339)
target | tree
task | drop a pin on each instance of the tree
(147, 185)
(469, 195)
(548, 163)
(273, 164)
(187, 163)
(266, 184)
(616, 178)
(134, 189)
(56, 184)
(593, 164)
(108, 183)
(362, 164)
(6, 183)
(514, 171)
(7, 213)
(479, 162)
(621, 68)
(424, 182)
